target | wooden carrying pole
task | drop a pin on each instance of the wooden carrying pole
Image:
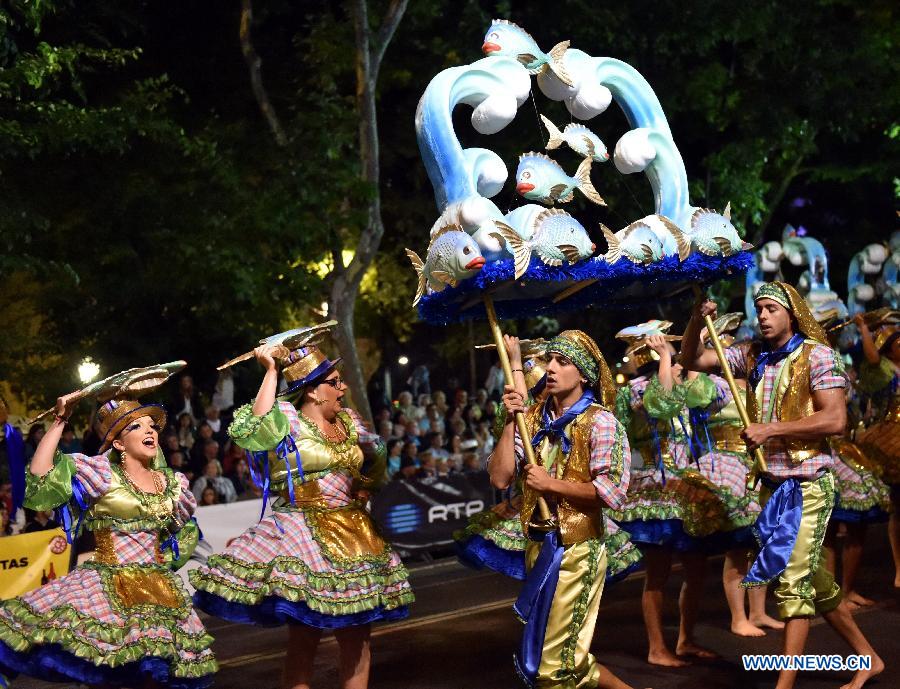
(543, 510)
(759, 464)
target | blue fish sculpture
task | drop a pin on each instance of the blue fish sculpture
(640, 244)
(577, 137)
(452, 256)
(556, 237)
(540, 178)
(511, 40)
(714, 235)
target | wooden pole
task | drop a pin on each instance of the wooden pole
(543, 510)
(759, 464)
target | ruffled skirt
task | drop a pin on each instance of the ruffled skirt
(109, 625)
(861, 497)
(305, 568)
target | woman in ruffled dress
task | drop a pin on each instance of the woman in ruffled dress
(123, 618)
(317, 562)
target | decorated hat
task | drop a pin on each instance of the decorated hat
(115, 415)
(786, 295)
(306, 366)
(582, 351)
(724, 325)
(885, 338)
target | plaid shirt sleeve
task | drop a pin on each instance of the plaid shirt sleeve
(826, 370)
(736, 357)
(637, 388)
(610, 460)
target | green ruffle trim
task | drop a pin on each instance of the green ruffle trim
(624, 556)
(492, 527)
(661, 403)
(259, 433)
(623, 405)
(579, 611)
(27, 628)
(700, 392)
(54, 488)
(259, 573)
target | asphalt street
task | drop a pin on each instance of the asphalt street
(461, 635)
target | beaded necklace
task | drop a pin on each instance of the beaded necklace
(153, 503)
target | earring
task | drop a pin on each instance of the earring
(318, 402)
(122, 455)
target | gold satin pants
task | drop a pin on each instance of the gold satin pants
(566, 661)
(805, 588)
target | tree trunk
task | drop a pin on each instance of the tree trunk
(345, 287)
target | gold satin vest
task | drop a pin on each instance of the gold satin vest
(792, 399)
(575, 525)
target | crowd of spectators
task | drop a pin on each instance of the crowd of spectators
(431, 435)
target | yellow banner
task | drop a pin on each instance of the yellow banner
(30, 560)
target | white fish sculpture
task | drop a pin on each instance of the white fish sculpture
(540, 178)
(640, 244)
(555, 237)
(714, 235)
(452, 256)
(577, 137)
(504, 38)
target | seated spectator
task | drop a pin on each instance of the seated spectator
(233, 454)
(410, 451)
(405, 405)
(407, 470)
(385, 429)
(198, 451)
(185, 431)
(442, 468)
(427, 466)
(455, 447)
(177, 462)
(439, 399)
(434, 419)
(169, 443)
(240, 477)
(92, 441)
(41, 520)
(5, 526)
(69, 443)
(472, 415)
(186, 400)
(35, 433)
(471, 463)
(209, 497)
(412, 434)
(394, 448)
(481, 399)
(211, 417)
(458, 426)
(423, 400)
(212, 478)
(399, 430)
(436, 446)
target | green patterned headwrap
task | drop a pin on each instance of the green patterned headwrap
(578, 354)
(775, 292)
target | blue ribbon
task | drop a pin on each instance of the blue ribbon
(172, 544)
(557, 428)
(259, 474)
(654, 434)
(64, 512)
(15, 452)
(772, 357)
(533, 606)
(284, 449)
(776, 531)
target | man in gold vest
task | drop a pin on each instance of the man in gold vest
(583, 468)
(795, 402)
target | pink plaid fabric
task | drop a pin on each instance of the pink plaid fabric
(94, 473)
(84, 591)
(266, 548)
(610, 462)
(825, 372)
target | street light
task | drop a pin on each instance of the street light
(403, 361)
(88, 370)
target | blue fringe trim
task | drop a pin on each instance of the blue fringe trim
(479, 553)
(873, 515)
(620, 285)
(274, 611)
(670, 533)
(51, 663)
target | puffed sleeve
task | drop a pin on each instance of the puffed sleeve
(875, 377)
(661, 403)
(54, 488)
(259, 433)
(623, 405)
(610, 462)
(374, 468)
(187, 502)
(701, 392)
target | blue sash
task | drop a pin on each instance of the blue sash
(776, 531)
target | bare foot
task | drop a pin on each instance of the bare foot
(852, 606)
(744, 628)
(665, 659)
(897, 580)
(687, 648)
(766, 621)
(854, 597)
(862, 676)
